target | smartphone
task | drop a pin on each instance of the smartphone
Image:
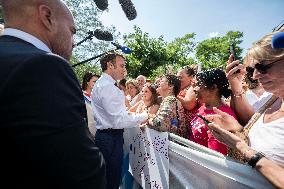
(204, 119)
(232, 51)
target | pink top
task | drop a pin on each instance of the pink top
(202, 135)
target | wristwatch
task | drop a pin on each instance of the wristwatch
(255, 158)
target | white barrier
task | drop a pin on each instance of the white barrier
(194, 166)
(188, 166)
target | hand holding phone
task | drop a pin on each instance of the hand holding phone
(204, 119)
(232, 51)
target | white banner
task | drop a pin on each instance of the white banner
(148, 157)
(193, 166)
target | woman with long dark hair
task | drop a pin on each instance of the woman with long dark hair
(88, 83)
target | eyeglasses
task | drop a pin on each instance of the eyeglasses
(261, 68)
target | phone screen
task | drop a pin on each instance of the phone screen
(204, 119)
(232, 51)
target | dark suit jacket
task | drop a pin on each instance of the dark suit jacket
(44, 139)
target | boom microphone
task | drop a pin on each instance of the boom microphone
(124, 49)
(102, 4)
(128, 8)
(102, 35)
(99, 34)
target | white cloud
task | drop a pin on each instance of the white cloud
(213, 34)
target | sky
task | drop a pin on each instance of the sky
(206, 18)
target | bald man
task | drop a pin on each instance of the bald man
(45, 142)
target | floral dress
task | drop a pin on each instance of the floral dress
(170, 117)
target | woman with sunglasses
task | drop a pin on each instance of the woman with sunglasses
(265, 150)
(239, 102)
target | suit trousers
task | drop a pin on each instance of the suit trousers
(110, 143)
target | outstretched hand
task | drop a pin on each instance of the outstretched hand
(143, 125)
(224, 120)
(225, 136)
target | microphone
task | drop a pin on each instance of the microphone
(99, 34)
(124, 49)
(102, 35)
(278, 41)
(102, 4)
(128, 8)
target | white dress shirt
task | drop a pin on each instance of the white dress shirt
(109, 106)
(26, 37)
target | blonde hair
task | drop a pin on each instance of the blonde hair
(134, 83)
(262, 49)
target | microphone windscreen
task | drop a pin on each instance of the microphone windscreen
(128, 8)
(278, 40)
(102, 4)
(126, 50)
(103, 35)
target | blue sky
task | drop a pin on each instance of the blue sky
(175, 18)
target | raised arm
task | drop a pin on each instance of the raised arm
(239, 103)
(189, 101)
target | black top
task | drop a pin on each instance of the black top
(44, 139)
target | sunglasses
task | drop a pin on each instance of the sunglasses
(261, 68)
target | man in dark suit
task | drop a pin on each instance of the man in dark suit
(44, 142)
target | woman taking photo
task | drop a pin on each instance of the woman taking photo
(265, 150)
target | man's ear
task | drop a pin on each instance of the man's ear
(109, 64)
(46, 15)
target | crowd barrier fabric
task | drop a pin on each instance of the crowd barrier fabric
(185, 165)
(147, 152)
(193, 166)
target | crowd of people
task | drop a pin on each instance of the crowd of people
(242, 97)
(58, 133)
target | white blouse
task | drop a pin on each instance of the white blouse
(268, 138)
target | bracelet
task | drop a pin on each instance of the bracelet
(239, 95)
(252, 162)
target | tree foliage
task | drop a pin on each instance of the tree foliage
(214, 52)
(154, 56)
(87, 18)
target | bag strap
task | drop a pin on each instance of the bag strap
(257, 115)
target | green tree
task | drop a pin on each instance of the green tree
(154, 56)
(214, 52)
(87, 18)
